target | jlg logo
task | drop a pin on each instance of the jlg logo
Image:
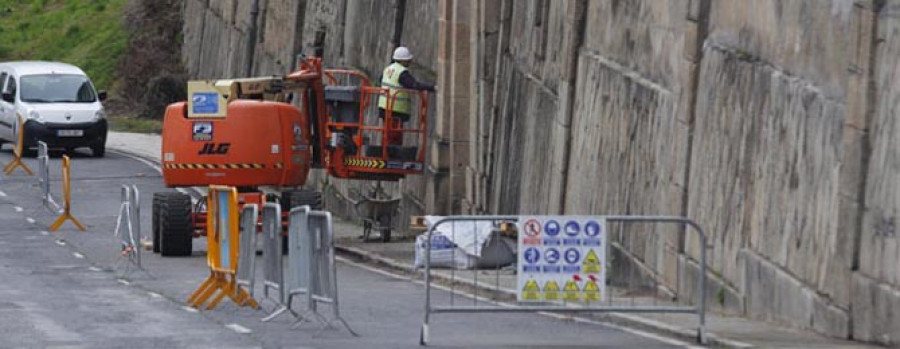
(213, 149)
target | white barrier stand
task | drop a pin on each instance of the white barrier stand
(312, 265)
(44, 179)
(128, 231)
(246, 269)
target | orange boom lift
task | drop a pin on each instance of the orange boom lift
(269, 132)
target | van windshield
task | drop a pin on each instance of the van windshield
(56, 88)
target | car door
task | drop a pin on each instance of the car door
(7, 110)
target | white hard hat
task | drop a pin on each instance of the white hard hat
(402, 54)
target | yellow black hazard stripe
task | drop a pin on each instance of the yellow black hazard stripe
(363, 162)
(219, 166)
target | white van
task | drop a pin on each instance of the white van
(57, 103)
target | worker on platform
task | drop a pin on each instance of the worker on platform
(397, 76)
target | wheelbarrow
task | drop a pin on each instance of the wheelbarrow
(377, 215)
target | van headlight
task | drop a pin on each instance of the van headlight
(34, 115)
(100, 115)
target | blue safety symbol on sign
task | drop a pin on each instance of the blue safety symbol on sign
(572, 256)
(592, 229)
(551, 255)
(572, 228)
(205, 102)
(552, 228)
(532, 255)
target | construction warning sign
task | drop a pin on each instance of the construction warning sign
(551, 291)
(531, 291)
(561, 258)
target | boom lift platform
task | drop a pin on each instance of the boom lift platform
(271, 131)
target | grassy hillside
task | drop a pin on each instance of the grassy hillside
(86, 33)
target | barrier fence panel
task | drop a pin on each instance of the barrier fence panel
(273, 260)
(44, 178)
(564, 264)
(67, 198)
(311, 269)
(222, 224)
(128, 230)
(246, 270)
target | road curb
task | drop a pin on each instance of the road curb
(627, 320)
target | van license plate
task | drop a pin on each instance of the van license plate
(70, 133)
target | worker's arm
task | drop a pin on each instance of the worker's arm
(408, 81)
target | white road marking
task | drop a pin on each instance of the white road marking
(78, 255)
(124, 282)
(95, 269)
(2, 194)
(155, 295)
(44, 232)
(18, 209)
(189, 309)
(60, 242)
(653, 336)
(238, 328)
(30, 220)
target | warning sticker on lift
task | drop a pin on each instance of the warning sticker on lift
(565, 255)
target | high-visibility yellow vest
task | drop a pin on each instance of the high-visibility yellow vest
(391, 80)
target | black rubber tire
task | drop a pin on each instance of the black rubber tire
(99, 150)
(154, 221)
(175, 230)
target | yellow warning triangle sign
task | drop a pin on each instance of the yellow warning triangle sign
(571, 291)
(591, 291)
(591, 263)
(551, 291)
(531, 291)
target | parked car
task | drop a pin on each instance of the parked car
(57, 103)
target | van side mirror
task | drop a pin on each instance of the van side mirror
(101, 95)
(9, 97)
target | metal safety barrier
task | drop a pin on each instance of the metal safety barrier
(246, 270)
(44, 178)
(561, 267)
(128, 230)
(311, 270)
(222, 252)
(67, 198)
(18, 150)
(273, 261)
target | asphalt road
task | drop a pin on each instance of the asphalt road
(68, 289)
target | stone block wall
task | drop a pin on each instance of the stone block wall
(771, 123)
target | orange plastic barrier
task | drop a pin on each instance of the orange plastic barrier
(222, 227)
(17, 152)
(67, 198)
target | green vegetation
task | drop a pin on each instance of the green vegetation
(137, 125)
(86, 33)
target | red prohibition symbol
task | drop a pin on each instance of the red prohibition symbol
(532, 227)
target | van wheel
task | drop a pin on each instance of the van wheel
(99, 150)
(175, 230)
